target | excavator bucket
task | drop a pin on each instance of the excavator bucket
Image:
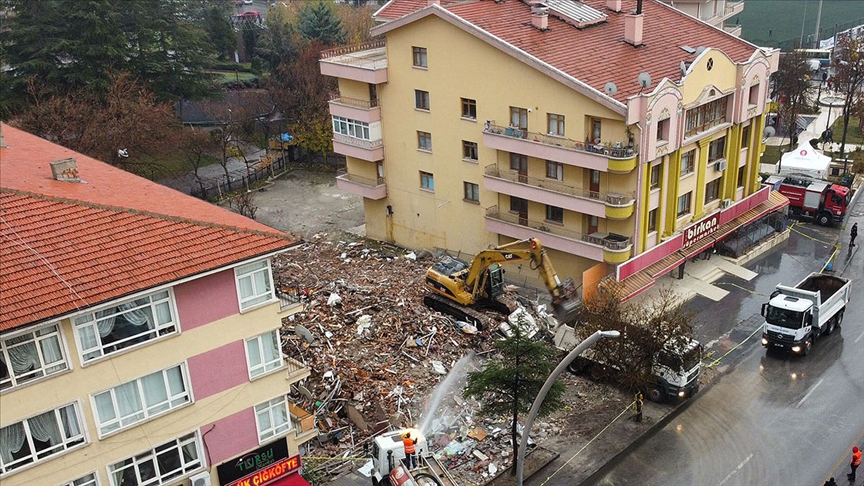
(566, 311)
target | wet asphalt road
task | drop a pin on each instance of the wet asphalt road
(771, 419)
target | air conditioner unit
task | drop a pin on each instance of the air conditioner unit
(725, 203)
(721, 165)
(200, 479)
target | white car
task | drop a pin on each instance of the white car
(247, 2)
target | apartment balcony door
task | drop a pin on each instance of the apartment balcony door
(593, 223)
(520, 207)
(519, 163)
(594, 184)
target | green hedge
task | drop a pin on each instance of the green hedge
(231, 66)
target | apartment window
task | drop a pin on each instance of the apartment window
(160, 465)
(469, 108)
(421, 100)
(472, 191)
(272, 418)
(518, 205)
(424, 141)
(469, 150)
(754, 95)
(125, 325)
(745, 136)
(717, 149)
(263, 353)
(655, 176)
(663, 130)
(652, 220)
(706, 116)
(351, 128)
(688, 162)
(741, 176)
(427, 181)
(40, 437)
(596, 126)
(554, 214)
(554, 170)
(519, 117)
(556, 125)
(684, 204)
(254, 284)
(420, 59)
(142, 399)
(712, 191)
(31, 356)
(88, 480)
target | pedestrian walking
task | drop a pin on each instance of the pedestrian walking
(410, 452)
(638, 404)
(830, 482)
(856, 461)
(853, 234)
(829, 135)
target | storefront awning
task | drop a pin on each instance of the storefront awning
(290, 480)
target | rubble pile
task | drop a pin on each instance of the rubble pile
(377, 354)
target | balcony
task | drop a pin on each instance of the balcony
(733, 30)
(365, 111)
(605, 158)
(359, 148)
(366, 63)
(611, 248)
(546, 191)
(369, 188)
(619, 206)
(733, 8)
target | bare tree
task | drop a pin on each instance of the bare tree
(792, 86)
(849, 80)
(195, 145)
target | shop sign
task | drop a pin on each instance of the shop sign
(270, 473)
(696, 231)
(253, 461)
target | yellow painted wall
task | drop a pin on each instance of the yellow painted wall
(79, 384)
(348, 88)
(722, 75)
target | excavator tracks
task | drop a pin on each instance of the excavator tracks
(461, 313)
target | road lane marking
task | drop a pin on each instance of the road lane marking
(859, 337)
(809, 393)
(735, 470)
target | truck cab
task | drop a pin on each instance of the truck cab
(788, 322)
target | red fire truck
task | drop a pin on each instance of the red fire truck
(812, 198)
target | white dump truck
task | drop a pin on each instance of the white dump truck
(675, 370)
(796, 316)
(388, 469)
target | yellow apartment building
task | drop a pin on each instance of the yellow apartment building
(609, 129)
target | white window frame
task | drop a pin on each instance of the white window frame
(249, 271)
(421, 100)
(145, 412)
(424, 141)
(471, 191)
(88, 324)
(91, 479)
(427, 181)
(277, 404)
(69, 440)
(265, 367)
(187, 468)
(39, 337)
(554, 170)
(419, 57)
(351, 128)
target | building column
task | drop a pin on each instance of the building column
(698, 201)
(671, 192)
(754, 155)
(733, 158)
(645, 197)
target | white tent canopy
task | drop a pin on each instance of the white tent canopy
(805, 160)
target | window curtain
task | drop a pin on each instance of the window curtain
(69, 419)
(271, 347)
(105, 323)
(24, 357)
(128, 402)
(52, 353)
(11, 441)
(138, 317)
(44, 428)
(190, 455)
(155, 393)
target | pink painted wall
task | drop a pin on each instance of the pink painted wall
(218, 370)
(204, 300)
(231, 436)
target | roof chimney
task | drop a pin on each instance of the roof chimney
(633, 26)
(614, 5)
(65, 170)
(540, 17)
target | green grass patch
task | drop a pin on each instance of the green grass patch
(232, 76)
(174, 164)
(772, 153)
(853, 134)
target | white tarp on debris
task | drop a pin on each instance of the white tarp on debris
(805, 160)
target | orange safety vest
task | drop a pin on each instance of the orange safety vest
(856, 458)
(409, 445)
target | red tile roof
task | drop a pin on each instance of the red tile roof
(598, 54)
(67, 246)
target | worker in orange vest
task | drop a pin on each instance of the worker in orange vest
(410, 453)
(856, 461)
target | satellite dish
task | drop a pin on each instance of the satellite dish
(610, 88)
(305, 392)
(644, 79)
(768, 132)
(700, 50)
(304, 334)
(683, 68)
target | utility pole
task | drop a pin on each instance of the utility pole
(818, 22)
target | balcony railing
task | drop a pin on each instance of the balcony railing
(615, 199)
(548, 184)
(612, 151)
(609, 241)
(342, 50)
(363, 181)
(364, 104)
(733, 7)
(358, 142)
(369, 55)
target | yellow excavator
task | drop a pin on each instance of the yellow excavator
(461, 289)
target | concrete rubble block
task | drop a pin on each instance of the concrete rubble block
(438, 367)
(480, 455)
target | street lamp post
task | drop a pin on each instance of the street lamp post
(529, 421)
